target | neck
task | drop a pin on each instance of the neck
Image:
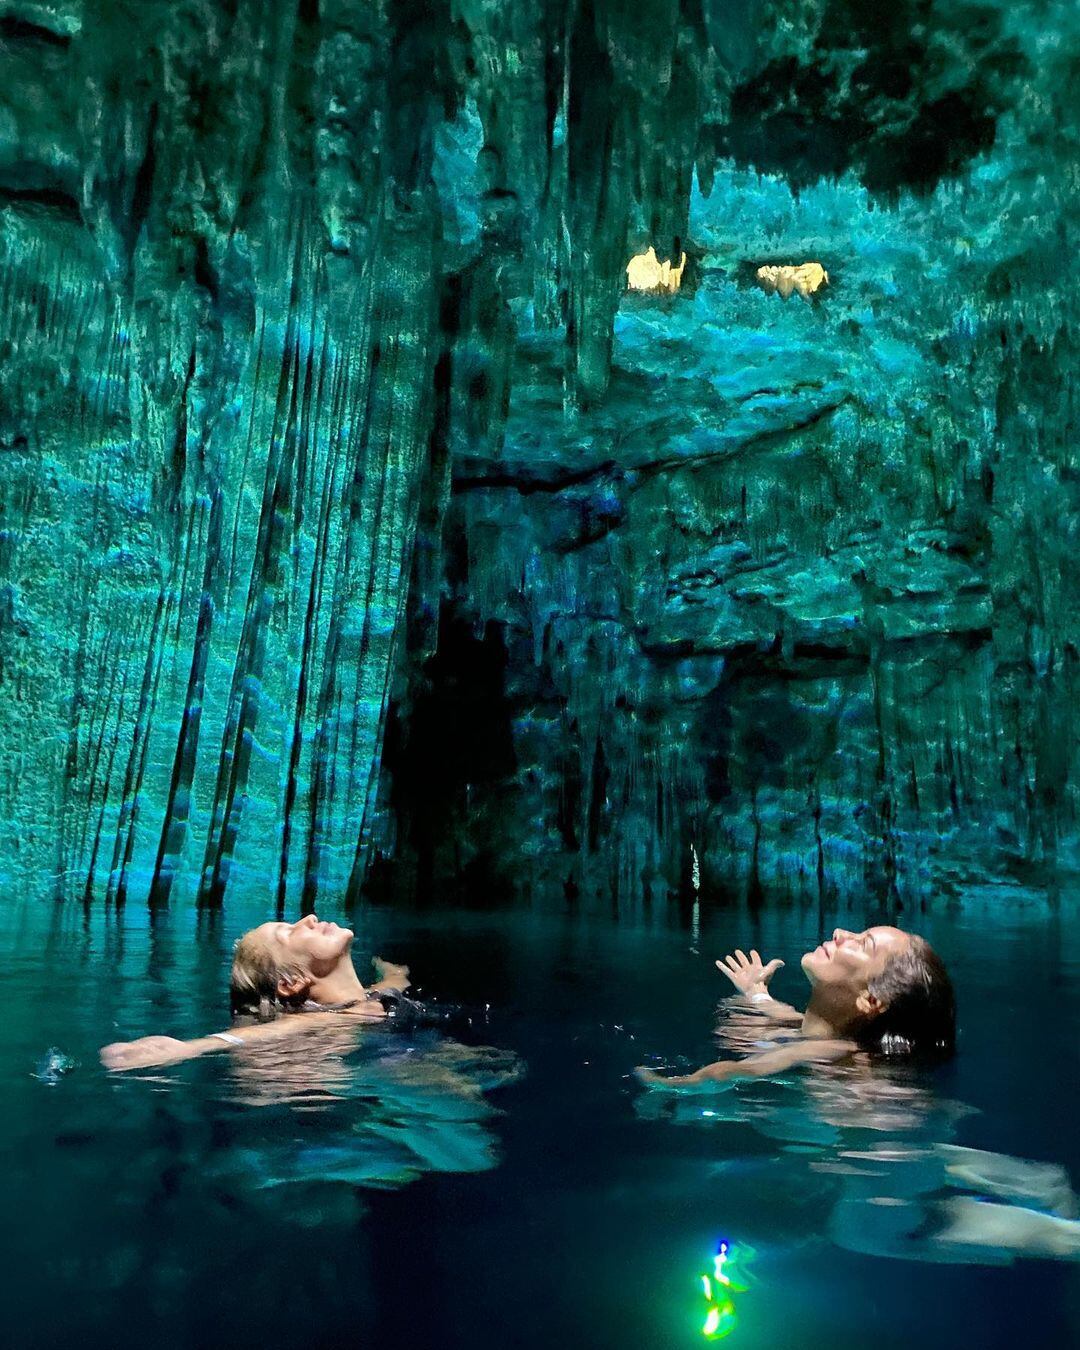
(342, 985)
(824, 1019)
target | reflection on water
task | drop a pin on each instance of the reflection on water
(880, 1132)
(332, 1185)
(362, 1107)
(52, 1066)
(727, 1276)
(416, 1108)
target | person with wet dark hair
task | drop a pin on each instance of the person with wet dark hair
(918, 1007)
(882, 990)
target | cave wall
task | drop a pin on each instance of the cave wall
(322, 408)
(258, 262)
(798, 595)
(221, 276)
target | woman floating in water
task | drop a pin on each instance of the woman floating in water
(280, 967)
(881, 990)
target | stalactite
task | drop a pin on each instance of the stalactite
(315, 342)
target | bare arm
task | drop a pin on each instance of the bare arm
(390, 978)
(774, 1011)
(757, 1066)
(154, 1050)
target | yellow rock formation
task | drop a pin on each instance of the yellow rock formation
(806, 278)
(645, 272)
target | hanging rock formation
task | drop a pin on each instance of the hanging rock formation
(328, 425)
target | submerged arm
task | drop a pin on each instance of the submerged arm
(767, 1006)
(153, 1050)
(757, 1066)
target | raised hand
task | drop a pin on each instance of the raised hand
(747, 973)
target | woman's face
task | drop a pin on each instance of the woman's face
(852, 960)
(316, 946)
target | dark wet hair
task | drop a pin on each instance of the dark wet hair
(919, 1016)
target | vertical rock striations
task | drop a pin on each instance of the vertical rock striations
(326, 420)
(218, 326)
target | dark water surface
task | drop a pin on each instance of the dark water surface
(413, 1187)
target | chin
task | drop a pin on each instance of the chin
(809, 965)
(332, 946)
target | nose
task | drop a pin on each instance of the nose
(841, 935)
(308, 921)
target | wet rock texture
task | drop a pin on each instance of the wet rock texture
(352, 509)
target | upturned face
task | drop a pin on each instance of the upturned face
(314, 945)
(850, 961)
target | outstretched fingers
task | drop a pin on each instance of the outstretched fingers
(743, 970)
(731, 968)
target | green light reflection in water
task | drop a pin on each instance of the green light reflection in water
(728, 1276)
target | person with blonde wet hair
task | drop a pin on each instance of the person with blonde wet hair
(278, 968)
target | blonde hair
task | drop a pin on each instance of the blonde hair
(256, 974)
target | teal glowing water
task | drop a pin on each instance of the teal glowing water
(417, 1186)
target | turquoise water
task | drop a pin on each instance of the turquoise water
(495, 1177)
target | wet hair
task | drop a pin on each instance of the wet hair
(256, 973)
(919, 1016)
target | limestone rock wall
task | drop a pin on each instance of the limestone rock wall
(327, 428)
(800, 592)
(219, 313)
